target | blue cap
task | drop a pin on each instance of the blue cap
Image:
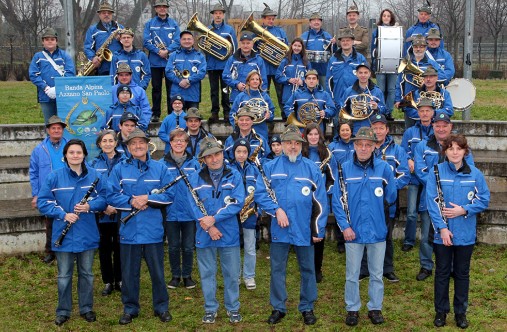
(275, 139)
(246, 35)
(441, 116)
(363, 64)
(378, 118)
(127, 116)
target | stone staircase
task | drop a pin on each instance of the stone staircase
(22, 228)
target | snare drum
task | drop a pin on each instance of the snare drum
(462, 93)
(318, 56)
(389, 50)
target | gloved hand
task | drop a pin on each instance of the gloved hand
(50, 92)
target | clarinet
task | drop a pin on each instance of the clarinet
(196, 198)
(83, 200)
(270, 191)
(440, 195)
(345, 195)
(154, 192)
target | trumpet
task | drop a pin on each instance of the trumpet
(299, 74)
(210, 42)
(269, 47)
(184, 74)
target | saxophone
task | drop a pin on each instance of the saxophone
(104, 53)
(247, 210)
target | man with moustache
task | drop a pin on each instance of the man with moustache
(439, 54)
(360, 33)
(195, 131)
(161, 38)
(97, 34)
(299, 210)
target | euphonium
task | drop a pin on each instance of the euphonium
(269, 47)
(436, 96)
(104, 53)
(359, 105)
(407, 67)
(210, 42)
(307, 113)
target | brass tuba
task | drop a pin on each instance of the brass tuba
(269, 47)
(435, 96)
(210, 42)
(307, 113)
(359, 106)
(104, 53)
(407, 67)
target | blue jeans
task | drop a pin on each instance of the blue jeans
(456, 259)
(425, 249)
(375, 256)
(48, 110)
(249, 253)
(181, 239)
(230, 263)
(387, 84)
(130, 256)
(279, 253)
(84, 262)
(412, 205)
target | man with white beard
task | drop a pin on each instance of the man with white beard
(295, 196)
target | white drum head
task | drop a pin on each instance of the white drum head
(462, 93)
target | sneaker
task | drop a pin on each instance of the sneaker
(406, 247)
(376, 316)
(117, 286)
(209, 317)
(423, 274)
(174, 283)
(188, 283)
(234, 316)
(390, 276)
(250, 283)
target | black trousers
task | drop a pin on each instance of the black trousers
(217, 85)
(318, 247)
(157, 74)
(109, 253)
(279, 91)
(49, 231)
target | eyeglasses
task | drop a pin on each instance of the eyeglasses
(179, 141)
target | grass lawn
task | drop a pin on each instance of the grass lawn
(18, 102)
(29, 298)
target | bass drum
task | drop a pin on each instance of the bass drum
(389, 51)
(462, 93)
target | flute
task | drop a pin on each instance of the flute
(154, 192)
(59, 241)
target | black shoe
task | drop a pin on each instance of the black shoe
(439, 319)
(164, 316)
(117, 286)
(376, 316)
(189, 283)
(276, 317)
(61, 319)
(352, 318)
(155, 118)
(174, 283)
(390, 276)
(363, 276)
(406, 247)
(389, 117)
(90, 316)
(309, 318)
(226, 117)
(49, 259)
(423, 274)
(213, 118)
(318, 276)
(341, 248)
(126, 318)
(108, 289)
(461, 321)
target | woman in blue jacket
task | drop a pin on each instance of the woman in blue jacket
(292, 69)
(342, 146)
(109, 247)
(464, 194)
(60, 198)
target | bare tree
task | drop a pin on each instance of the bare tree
(494, 18)
(454, 24)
